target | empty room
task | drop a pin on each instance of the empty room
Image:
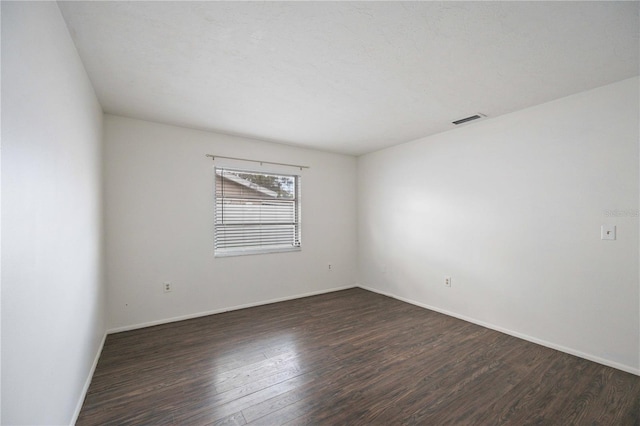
(320, 213)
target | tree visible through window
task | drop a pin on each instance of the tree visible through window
(256, 212)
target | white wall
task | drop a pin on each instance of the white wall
(159, 225)
(511, 208)
(52, 287)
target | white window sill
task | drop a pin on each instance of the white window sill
(247, 252)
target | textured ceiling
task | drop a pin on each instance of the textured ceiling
(349, 77)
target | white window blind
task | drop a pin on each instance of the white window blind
(256, 212)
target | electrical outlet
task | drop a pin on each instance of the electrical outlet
(167, 287)
(447, 281)
(330, 267)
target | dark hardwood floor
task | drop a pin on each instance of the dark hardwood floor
(347, 358)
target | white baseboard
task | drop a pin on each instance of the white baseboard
(221, 310)
(85, 389)
(535, 340)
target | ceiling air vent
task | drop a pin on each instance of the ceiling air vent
(468, 119)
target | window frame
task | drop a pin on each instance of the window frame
(245, 251)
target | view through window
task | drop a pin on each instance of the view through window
(256, 212)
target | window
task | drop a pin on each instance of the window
(256, 212)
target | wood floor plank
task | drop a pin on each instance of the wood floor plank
(210, 409)
(236, 419)
(348, 357)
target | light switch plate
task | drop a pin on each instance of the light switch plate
(608, 232)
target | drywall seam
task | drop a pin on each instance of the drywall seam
(570, 351)
(221, 310)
